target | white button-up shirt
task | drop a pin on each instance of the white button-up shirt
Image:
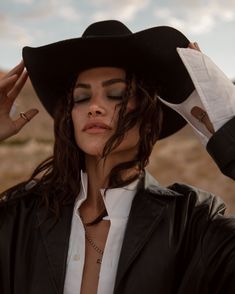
(214, 93)
(118, 203)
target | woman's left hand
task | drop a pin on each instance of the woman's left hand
(198, 112)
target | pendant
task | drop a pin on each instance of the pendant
(99, 260)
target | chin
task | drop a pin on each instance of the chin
(92, 145)
(92, 149)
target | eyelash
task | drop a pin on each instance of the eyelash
(120, 97)
(80, 101)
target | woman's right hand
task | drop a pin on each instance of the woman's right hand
(10, 86)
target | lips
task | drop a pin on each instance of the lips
(96, 126)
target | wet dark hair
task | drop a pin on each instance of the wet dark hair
(57, 179)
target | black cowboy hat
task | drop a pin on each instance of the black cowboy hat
(151, 52)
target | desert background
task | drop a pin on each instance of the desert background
(179, 158)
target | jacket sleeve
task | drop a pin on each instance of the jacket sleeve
(210, 239)
(218, 254)
(17, 227)
(221, 147)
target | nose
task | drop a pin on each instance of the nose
(95, 110)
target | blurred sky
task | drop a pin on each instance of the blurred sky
(38, 22)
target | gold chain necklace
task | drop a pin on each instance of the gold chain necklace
(94, 246)
(89, 239)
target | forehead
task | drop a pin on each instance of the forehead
(101, 74)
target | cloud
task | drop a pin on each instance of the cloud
(67, 10)
(195, 17)
(24, 1)
(122, 10)
(68, 13)
(13, 33)
(61, 9)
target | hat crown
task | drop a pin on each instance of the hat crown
(106, 28)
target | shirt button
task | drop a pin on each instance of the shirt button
(76, 257)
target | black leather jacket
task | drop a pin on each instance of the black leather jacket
(221, 148)
(176, 241)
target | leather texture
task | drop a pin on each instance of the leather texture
(221, 148)
(176, 241)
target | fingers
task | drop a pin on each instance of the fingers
(13, 76)
(18, 69)
(24, 118)
(197, 46)
(7, 83)
(194, 46)
(11, 84)
(203, 117)
(18, 86)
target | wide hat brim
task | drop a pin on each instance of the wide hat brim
(151, 52)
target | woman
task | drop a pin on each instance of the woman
(91, 219)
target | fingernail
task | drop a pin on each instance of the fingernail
(196, 44)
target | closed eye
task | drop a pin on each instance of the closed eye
(115, 97)
(81, 98)
(116, 94)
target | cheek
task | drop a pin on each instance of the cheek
(130, 140)
(134, 136)
(75, 118)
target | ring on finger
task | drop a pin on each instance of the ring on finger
(24, 116)
(201, 116)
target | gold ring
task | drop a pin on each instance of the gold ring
(201, 116)
(24, 116)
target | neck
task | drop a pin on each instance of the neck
(98, 172)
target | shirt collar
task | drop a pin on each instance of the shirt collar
(117, 200)
(83, 192)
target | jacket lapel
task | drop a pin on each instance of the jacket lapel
(55, 237)
(146, 213)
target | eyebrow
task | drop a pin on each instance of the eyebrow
(104, 83)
